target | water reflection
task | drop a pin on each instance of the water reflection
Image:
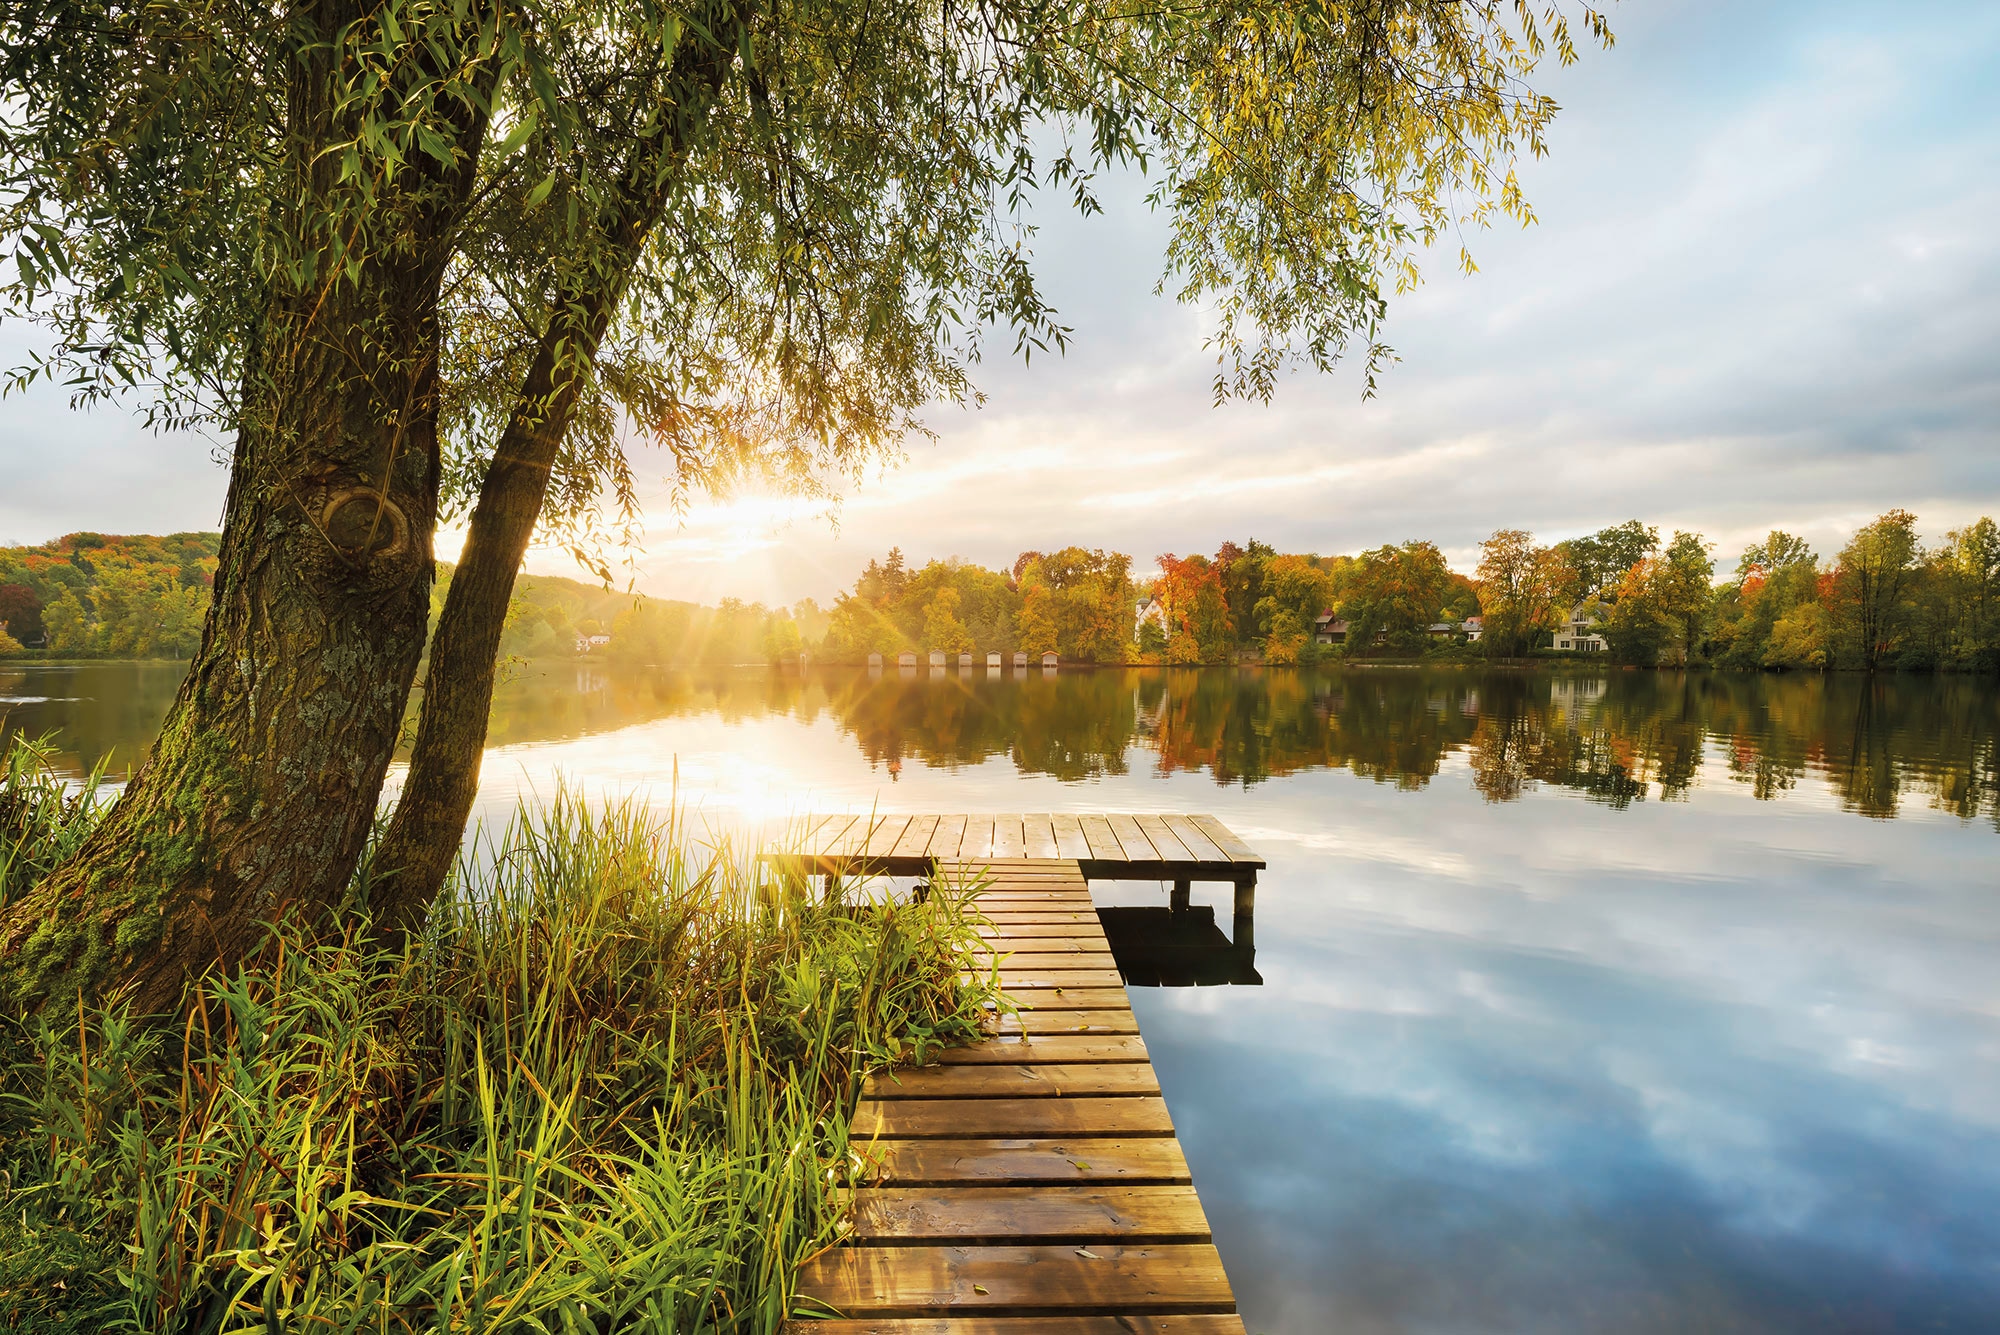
(1616, 738)
(1587, 1005)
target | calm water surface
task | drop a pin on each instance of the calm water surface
(1628, 1003)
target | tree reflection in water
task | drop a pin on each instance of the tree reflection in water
(1616, 737)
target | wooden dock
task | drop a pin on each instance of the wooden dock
(1116, 847)
(1030, 1184)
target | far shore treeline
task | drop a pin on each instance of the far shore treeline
(1886, 600)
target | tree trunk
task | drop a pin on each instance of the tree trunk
(260, 791)
(421, 843)
(261, 787)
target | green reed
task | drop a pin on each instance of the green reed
(608, 1090)
(43, 817)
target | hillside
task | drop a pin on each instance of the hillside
(98, 595)
(103, 595)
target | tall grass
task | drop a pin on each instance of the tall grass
(608, 1091)
(43, 817)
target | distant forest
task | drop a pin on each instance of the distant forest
(1886, 600)
(92, 595)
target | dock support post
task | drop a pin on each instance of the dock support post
(1242, 920)
(1179, 902)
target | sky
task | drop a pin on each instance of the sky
(1763, 291)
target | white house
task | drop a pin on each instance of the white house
(1475, 627)
(1153, 610)
(1578, 632)
(591, 643)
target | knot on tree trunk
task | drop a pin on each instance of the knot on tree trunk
(362, 540)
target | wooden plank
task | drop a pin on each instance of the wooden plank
(1070, 842)
(1049, 961)
(1056, 913)
(822, 832)
(1125, 1323)
(1001, 886)
(1081, 943)
(882, 839)
(916, 837)
(1026, 1021)
(918, 1119)
(1000, 883)
(1168, 845)
(1103, 844)
(1074, 900)
(1238, 852)
(1008, 841)
(1025, 1162)
(993, 1080)
(1075, 936)
(1026, 863)
(1138, 848)
(1082, 927)
(978, 843)
(1018, 1280)
(1039, 836)
(854, 837)
(1054, 925)
(1071, 999)
(1197, 843)
(1057, 1047)
(1029, 1214)
(947, 838)
(1033, 979)
(1093, 944)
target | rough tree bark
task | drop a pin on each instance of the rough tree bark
(260, 790)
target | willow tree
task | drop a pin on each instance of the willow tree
(424, 257)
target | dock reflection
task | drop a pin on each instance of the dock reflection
(1177, 947)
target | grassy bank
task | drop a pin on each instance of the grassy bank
(609, 1091)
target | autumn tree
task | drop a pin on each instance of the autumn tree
(1242, 572)
(1773, 579)
(421, 257)
(21, 612)
(1596, 565)
(1190, 590)
(1395, 593)
(1040, 634)
(1521, 590)
(1659, 610)
(943, 631)
(1872, 586)
(1085, 597)
(1295, 591)
(1956, 600)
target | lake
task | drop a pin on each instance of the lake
(1622, 1002)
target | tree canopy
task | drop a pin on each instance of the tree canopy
(841, 192)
